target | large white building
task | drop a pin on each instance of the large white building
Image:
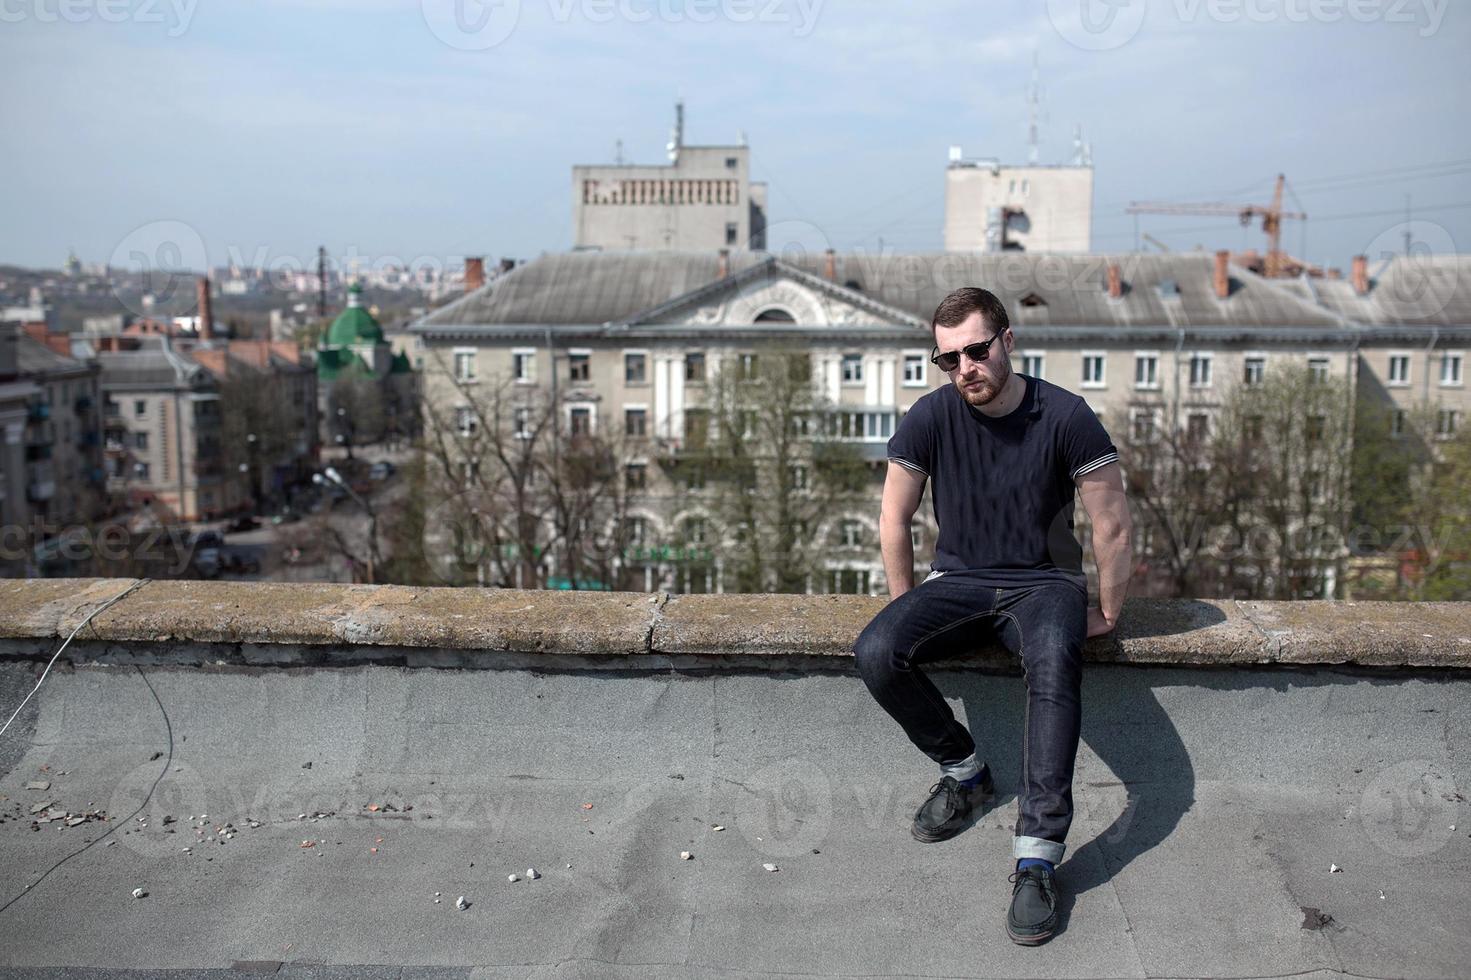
(1147, 340)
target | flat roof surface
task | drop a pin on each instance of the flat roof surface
(1210, 807)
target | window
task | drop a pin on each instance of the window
(1200, 370)
(140, 470)
(465, 420)
(1450, 369)
(523, 365)
(109, 407)
(1033, 364)
(1317, 370)
(850, 581)
(579, 420)
(579, 365)
(1316, 426)
(1146, 370)
(140, 408)
(1445, 422)
(464, 365)
(916, 537)
(1197, 427)
(694, 367)
(1399, 369)
(850, 533)
(636, 422)
(852, 369)
(522, 419)
(635, 368)
(913, 370)
(1256, 367)
(1093, 371)
(1144, 424)
(732, 232)
(696, 531)
(746, 367)
(866, 426)
(798, 476)
(1397, 419)
(637, 476)
(140, 440)
(696, 427)
(1251, 428)
(731, 163)
(637, 531)
(694, 477)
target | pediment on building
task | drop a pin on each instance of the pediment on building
(773, 292)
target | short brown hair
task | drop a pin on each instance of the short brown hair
(959, 305)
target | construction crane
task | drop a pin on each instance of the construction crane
(1272, 217)
(1155, 242)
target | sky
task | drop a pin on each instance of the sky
(407, 131)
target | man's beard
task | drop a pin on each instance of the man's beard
(988, 390)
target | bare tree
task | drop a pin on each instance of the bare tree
(777, 457)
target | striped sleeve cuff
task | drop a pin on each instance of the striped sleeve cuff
(908, 465)
(1103, 460)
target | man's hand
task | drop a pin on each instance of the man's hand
(1098, 625)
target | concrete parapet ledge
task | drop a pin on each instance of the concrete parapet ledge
(302, 624)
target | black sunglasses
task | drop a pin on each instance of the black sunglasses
(950, 360)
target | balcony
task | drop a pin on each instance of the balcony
(41, 491)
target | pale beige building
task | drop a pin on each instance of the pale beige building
(629, 338)
(990, 207)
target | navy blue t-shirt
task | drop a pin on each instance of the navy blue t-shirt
(1002, 488)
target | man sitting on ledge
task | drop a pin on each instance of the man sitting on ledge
(1006, 453)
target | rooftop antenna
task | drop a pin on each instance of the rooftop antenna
(1034, 104)
(1082, 152)
(676, 137)
(618, 153)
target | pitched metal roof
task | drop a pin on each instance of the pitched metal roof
(152, 365)
(591, 287)
(33, 357)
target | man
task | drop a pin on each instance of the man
(1006, 453)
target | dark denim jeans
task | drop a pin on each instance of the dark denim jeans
(950, 615)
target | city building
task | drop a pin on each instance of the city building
(703, 198)
(161, 430)
(991, 207)
(1147, 340)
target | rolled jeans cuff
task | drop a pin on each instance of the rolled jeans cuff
(1037, 847)
(963, 770)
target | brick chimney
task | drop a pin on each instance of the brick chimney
(474, 273)
(1223, 274)
(507, 265)
(1115, 282)
(206, 310)
(830, 266)
(722, 268)
(1361, 274)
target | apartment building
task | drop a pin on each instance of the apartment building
(629, 338)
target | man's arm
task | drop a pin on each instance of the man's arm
(903, 489)
(1102, 491)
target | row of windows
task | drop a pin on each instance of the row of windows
(1450, 370)
(1094, 368)
(1144, 424)
(663, 192)
(635, 367)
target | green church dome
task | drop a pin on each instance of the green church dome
(354, 325)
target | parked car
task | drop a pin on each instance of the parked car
(381, 470)
(245, 522)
